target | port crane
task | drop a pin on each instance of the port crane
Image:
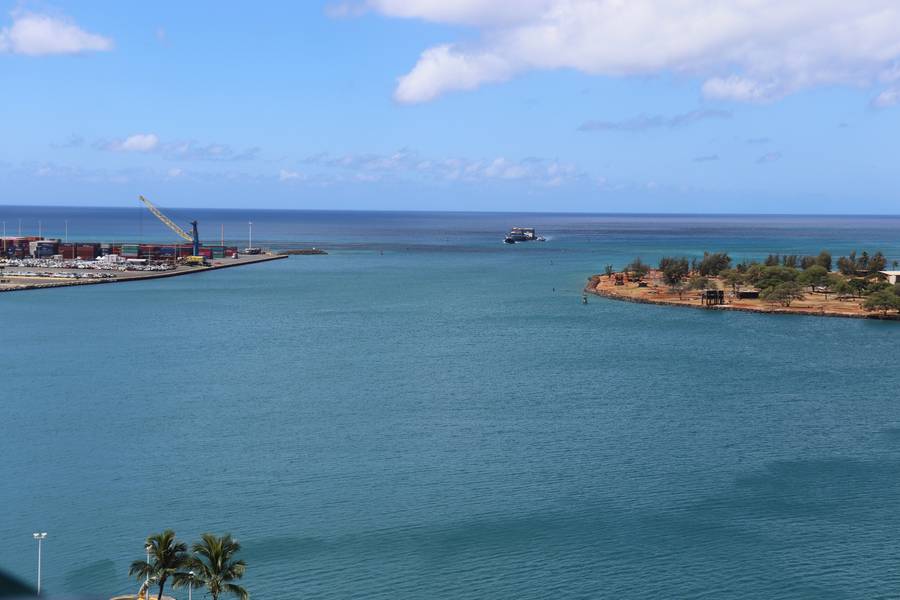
(192, 237)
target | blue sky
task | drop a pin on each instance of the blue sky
(570, 105)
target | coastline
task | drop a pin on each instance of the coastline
(652, 294)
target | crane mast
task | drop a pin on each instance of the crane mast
(192, 237)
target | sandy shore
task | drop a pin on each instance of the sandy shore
(656, 292)
(14, 283)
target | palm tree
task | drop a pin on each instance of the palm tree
(167, 556)
(215, 568)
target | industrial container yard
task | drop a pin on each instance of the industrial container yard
(29, 262)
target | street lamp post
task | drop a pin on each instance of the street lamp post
(190, 585)
(40, 537)
(148, 548)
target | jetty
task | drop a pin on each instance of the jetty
(14, 279)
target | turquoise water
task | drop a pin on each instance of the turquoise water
(427, 413)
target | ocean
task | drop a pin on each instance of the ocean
(427, 412)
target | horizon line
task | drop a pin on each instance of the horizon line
(449, 211)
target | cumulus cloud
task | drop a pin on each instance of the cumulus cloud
(286, 175)
(34, 34)
(742, 50)
(645, 122)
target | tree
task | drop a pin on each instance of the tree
(714, 263)
(877, 263)
(847, 264)
(815, 276)
(637, 268)
(772, 277)
(744, 266)
(755, 273)
(734, 278)
(698, 282)
(783, 293)
(824, 260)
(674, 270)
(608, 270)
(858, 286)
(167, 556)
(790, 260)
(773, 260)
(839, 285)
(215, 567)
(877, 286)
(883, 300)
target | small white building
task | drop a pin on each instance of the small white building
(892, 276)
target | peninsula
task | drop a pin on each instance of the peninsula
(860, 287)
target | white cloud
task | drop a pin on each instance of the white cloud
(743, 50)
(407, 165)
(177, 150)
(439, 65)
(286, 175)
(34, 34)
(887, 98)
(175, 173)
(139, 142)
(461, 12)
(739, 89)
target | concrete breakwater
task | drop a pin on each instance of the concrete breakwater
(11, 282)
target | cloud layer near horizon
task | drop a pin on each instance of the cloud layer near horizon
(741, 50)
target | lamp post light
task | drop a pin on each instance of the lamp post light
(190, 585)
(40, 537)
(148, 548)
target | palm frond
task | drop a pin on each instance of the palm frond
(236, 590)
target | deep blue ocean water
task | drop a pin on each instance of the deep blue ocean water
(429, 413)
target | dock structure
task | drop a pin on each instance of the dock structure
(713, 297)
(18, 279)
